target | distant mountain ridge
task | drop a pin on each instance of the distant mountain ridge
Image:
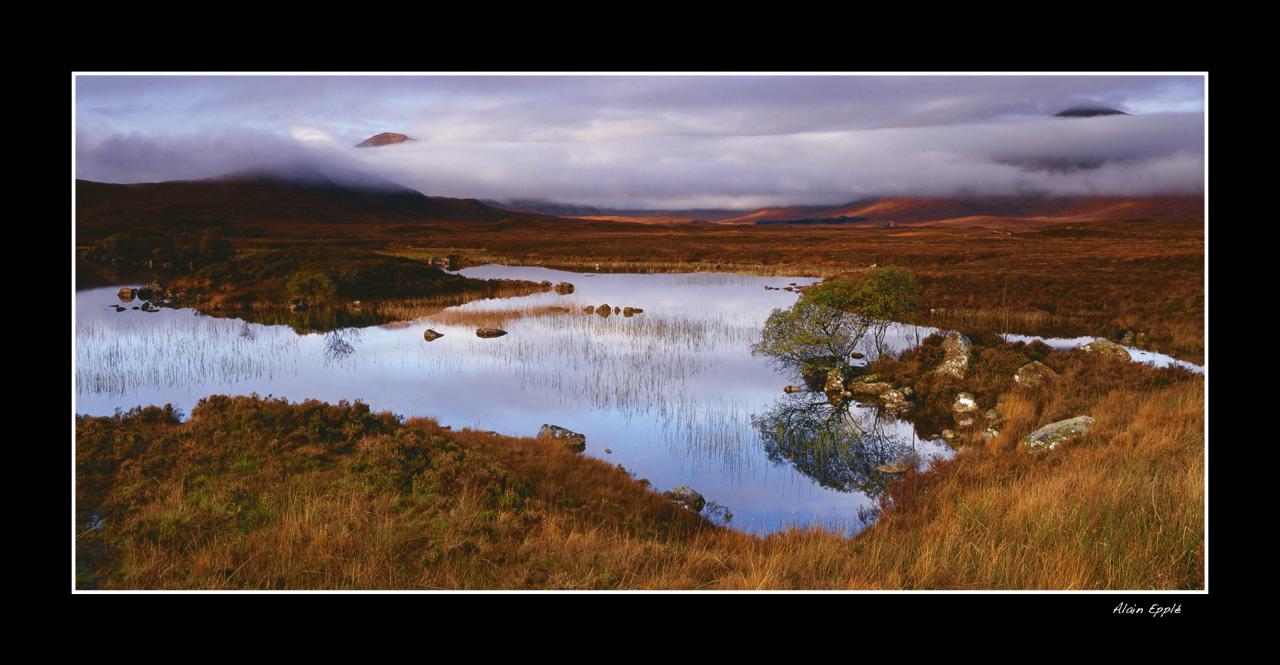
(268, 197)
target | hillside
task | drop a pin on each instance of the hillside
(261, 200)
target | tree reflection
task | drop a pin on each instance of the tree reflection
(338, 344)
(840, 447)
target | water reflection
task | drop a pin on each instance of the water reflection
(842, 448)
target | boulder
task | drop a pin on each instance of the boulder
(431, 335)
(1055, 434)
(955, 362)
(868, 385)
(965, 403)
(145, 293)
(628, 311)
(1035, 374)
(126, 294)
(589, 309)
(1106, 348)
(604, 310)
(792, 389)
(564, 288)
(814, 371)
(895, 401)
(575, 441)
(948, 434)
(685, 497)
(488, 332)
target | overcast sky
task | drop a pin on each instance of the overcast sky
(659, 141)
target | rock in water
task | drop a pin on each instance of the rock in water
(126, 294)
(1034, 374)
(1062, 432)
(431, 335)
(487, 332)
(604, 310)
(895, 402)
(900, 465)
(956, 361)
(1107, 348)
(564, 288)
(589, 309)
(792, 389)
(685, 497)
(576, 442)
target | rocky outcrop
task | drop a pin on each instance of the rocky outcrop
(1035, 374)
(488, 332)
(431, 335)
(1060, 433)
(955, 362)
(1106, 348)
(685, 497)
(575, 441)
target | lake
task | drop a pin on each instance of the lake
(673, 394)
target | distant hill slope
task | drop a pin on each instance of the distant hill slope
(257, 200)
(990, 211)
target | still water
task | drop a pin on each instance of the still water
(674, 394)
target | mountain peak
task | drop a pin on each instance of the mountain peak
(1087, 112)
(385, 138)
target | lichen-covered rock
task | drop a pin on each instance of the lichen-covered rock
(431, 335)
(869, 385)
(1107, 348)
(955, 361)
(685, 497)
(1035, 374)
(488, 332)
(574, 440)
(965, 403)
(895, 401)
(1055, 434)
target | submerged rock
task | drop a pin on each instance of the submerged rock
(1107, 348)
(685, 497)
(955, 362)
(431, 335)
(575, 441)
(901, 465)
(1062, 432)
(488, 332)
(1034, 374)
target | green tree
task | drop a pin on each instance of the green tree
(828, 322)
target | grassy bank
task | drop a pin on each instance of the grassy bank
(259, 493)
